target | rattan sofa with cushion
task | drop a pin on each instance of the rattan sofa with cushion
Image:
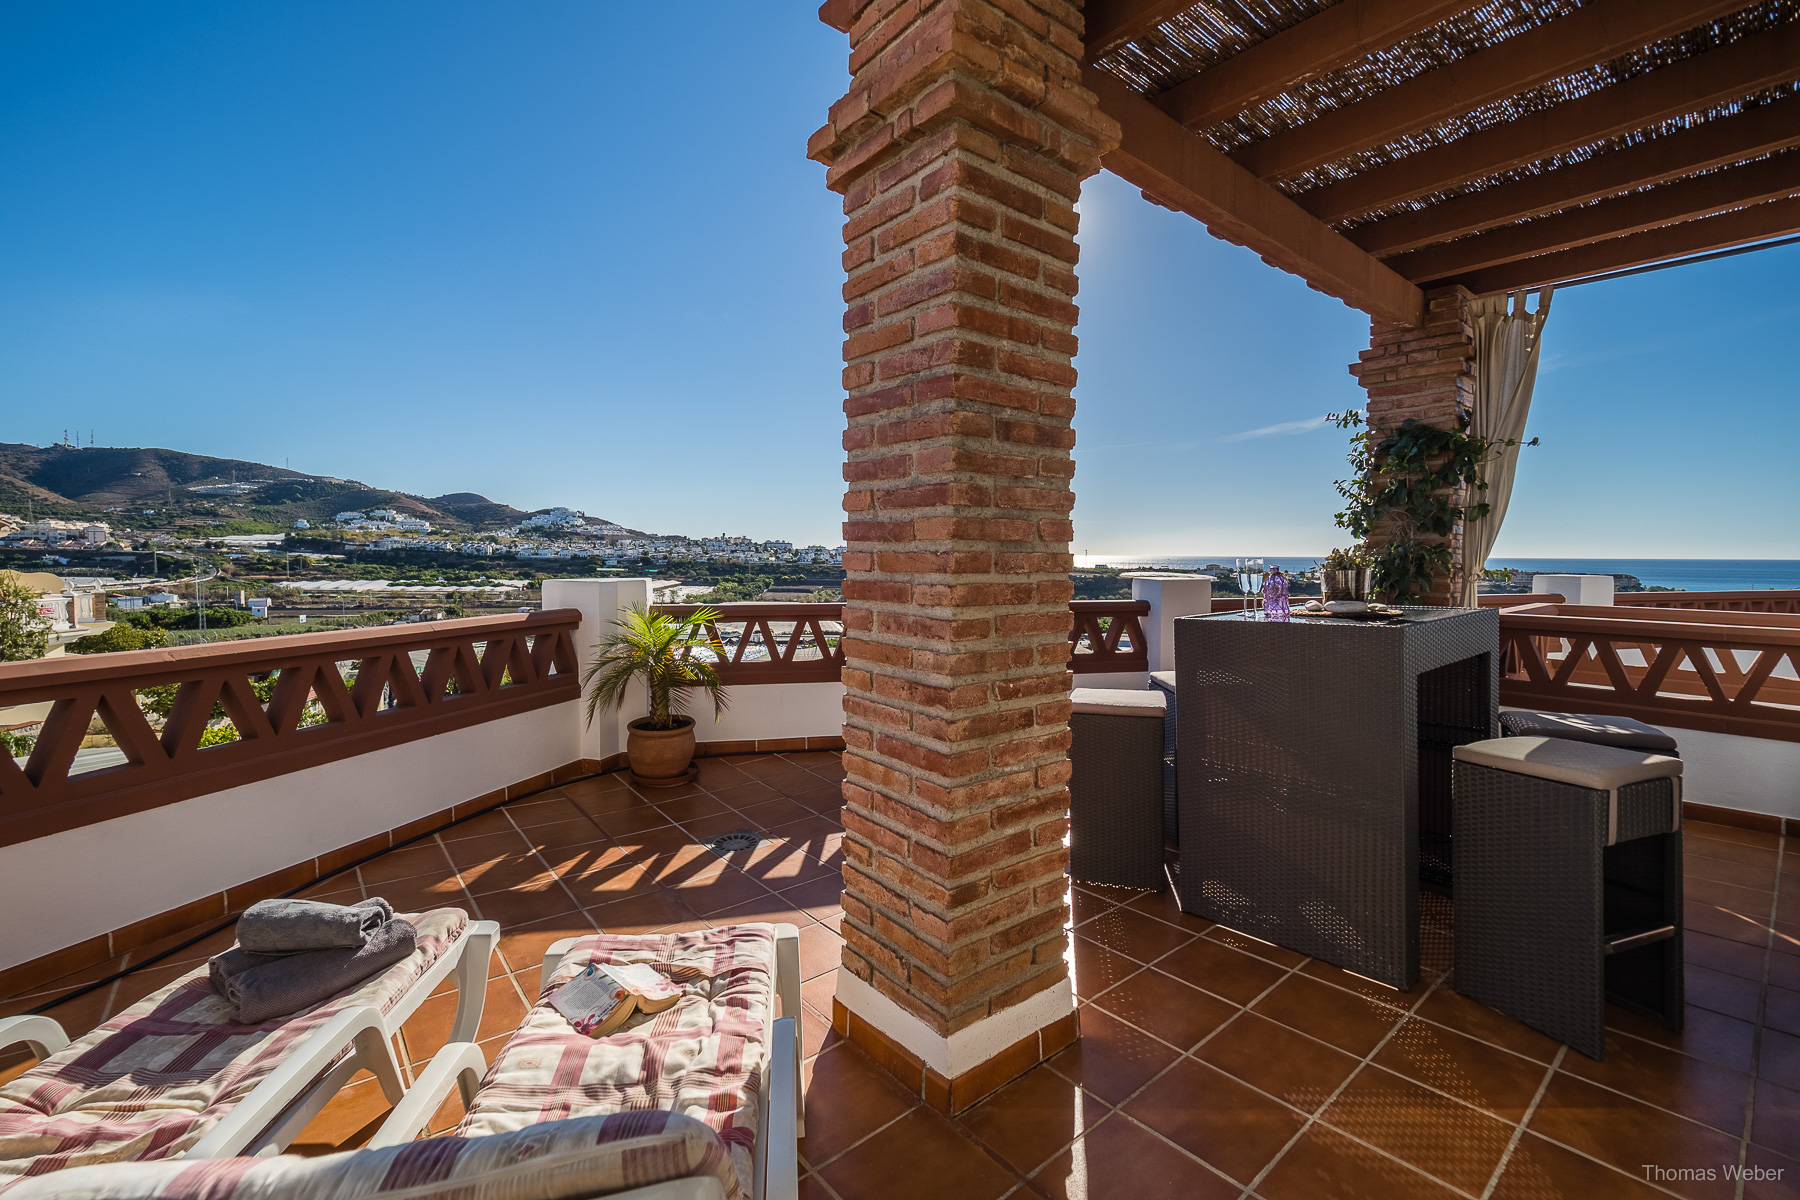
(175, 1077)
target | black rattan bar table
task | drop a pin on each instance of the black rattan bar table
(1315, 767)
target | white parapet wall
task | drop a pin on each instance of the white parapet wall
(59, 890)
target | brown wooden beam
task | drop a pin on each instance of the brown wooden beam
(1719, 76)
(1594, 33)
(1685, 200)
(1777, 218)
(1343, 33)
(1185, 172)
(1114, 23)
(1702, 147)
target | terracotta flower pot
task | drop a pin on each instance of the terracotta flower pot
(660, 753)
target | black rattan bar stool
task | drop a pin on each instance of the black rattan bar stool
(1568, 883)
(1116, 787)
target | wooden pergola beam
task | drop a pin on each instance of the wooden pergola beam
(1113, 23)
(1716, 143)
(1685, 200)
(1690, 85)
(1595, 33)
(1184, 171)
(1343, 33)
(1776, 218)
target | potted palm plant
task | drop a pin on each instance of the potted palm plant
(658, 649)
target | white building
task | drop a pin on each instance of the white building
(349, 516)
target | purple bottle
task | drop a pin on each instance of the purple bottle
(1275, 595)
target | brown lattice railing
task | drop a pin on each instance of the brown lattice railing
(1725, 672)
(158, 726)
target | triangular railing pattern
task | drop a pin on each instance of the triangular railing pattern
(1710, 673)
(322, 697)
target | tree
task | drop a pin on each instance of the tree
(24, 631)
(120, 637)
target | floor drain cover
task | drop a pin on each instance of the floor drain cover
(737, 839)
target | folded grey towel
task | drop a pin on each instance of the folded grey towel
(261, 986)
(290, 926)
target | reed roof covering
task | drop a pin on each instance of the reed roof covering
(1501, 145)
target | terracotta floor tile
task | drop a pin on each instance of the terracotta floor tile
(820, 898)
(816, 1033)
(522, 947)
(1777, 1175)
(782, 866)
(348, 1119)
(1166, 906)
(1237, 976)
(1446, 1006)
(527, 872)
(1723, 993)
(1273, 1058)
(627, 821)
(619, 799)
(1135, 935)
(715, 893)
(1094, 968)
(848, 1097)
(1702, 847)
(770, 909)
(1084, 905)
(1119, 1158)
(579, 832)
(1111, 1059)
(775, 813)
(705, 829)
(820, 951)
(1167, 1008)
(1541, 1170)
(339, 889)
(827, 799)
(817, 993)
(1216, 1118)
(1751, 929)
(1032, 1118)
(1447, 1140)
(485, 847)
(1723, 954)
(1729, 833)
(1474, 1072)
(642, 913)
(1366, 988)
(422, 858)
(530, 813)
(922, 1156)
(1624, 1132)
(1777, 1119)
(1347, 1021)
(487, 824)
(1782, 1009)
(1281, 956)
(428, 1029)
(1705, 1034)
(1698, 1090)
(1326, 1163)
(1728, 895)
(418, 895)
(1723, 871)
(701, 804)
(522, 907)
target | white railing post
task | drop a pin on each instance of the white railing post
(600, 602)
(1170, 596)
(1575, 589)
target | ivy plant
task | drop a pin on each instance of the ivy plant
(1404, 488)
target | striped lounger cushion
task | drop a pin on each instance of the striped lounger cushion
(702, 1058)
(149, 1083)
(589, 1157)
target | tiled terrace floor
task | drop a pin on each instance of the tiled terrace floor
(1210, 1064)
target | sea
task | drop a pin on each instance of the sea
(1685, 574)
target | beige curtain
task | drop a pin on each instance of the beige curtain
(1507, 338)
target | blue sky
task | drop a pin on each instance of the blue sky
(574, 254)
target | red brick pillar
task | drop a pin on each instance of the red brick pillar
(960, 150)
(1427, 373)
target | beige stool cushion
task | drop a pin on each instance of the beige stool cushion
(1111, 702)
(1582, 764)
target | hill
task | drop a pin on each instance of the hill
(120, 483)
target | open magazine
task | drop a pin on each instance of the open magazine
(603, 997)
